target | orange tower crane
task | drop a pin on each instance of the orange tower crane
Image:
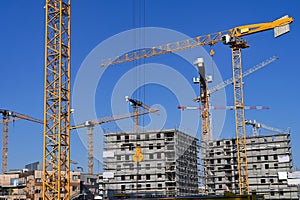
(10, 116)
(233, 38)
(56, 158)
(90, 132)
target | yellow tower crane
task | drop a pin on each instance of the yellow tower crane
(233, 38)
(56, 156)
(90, 132)
(10, 116)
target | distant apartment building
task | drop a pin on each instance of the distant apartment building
(169, 167)
(269, 167)
(23, 184)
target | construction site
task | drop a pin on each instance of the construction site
(249, 159)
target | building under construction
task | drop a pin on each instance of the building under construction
(269, 166)
(169, 167)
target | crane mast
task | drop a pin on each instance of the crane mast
(9, 116)
(233, 38)
(56, 158)
(4, 144)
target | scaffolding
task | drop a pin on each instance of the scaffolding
(169, 167)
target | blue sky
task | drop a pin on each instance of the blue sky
(93, 21)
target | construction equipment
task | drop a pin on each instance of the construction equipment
(223, 108)
(56, 157)
(256, 126)
(10, 116)
(90, 132)
(233, 38)
(204, 98)
(136, 104)
(246, 73)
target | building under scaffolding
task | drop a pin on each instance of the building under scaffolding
(169, 167)
(269, 166)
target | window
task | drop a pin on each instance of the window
(74, 188)
(218, 143)
(138, 137)
(38, 191)
(132, 186)
(150, 146)
(263, 180)
(275, 157)
(158, 155)
(271, 180)
(220, 179)
(266, 157)
(139, 186)
(148, 177)
(159, 185)
(148, 166)
(131, 177)
(148, 186)
(158, 146)
(123, 187)
(159, 175)
(170, 147)
(272, 193)
(118, 157)
(266, 166)
(38, 180)
(118, 137)
(126, 138)
(254, 167)
(158, 135)
(147, 136)
(151, 156)
(123, 177)
(258, 158)
(126, 157)
(281, 192)
(118, 167)
(131, 147)
(220, 186)
(275, 165)
(158, 165)
(139, 177)
(75, 177)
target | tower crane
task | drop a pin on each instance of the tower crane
(136, 104)
(256, 126)
(223, 107)
(205, 105)
(246, 73)
(90, 132)
(233, 38)
(9, 116)
(56, 156)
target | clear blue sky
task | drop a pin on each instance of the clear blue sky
(93, 21)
